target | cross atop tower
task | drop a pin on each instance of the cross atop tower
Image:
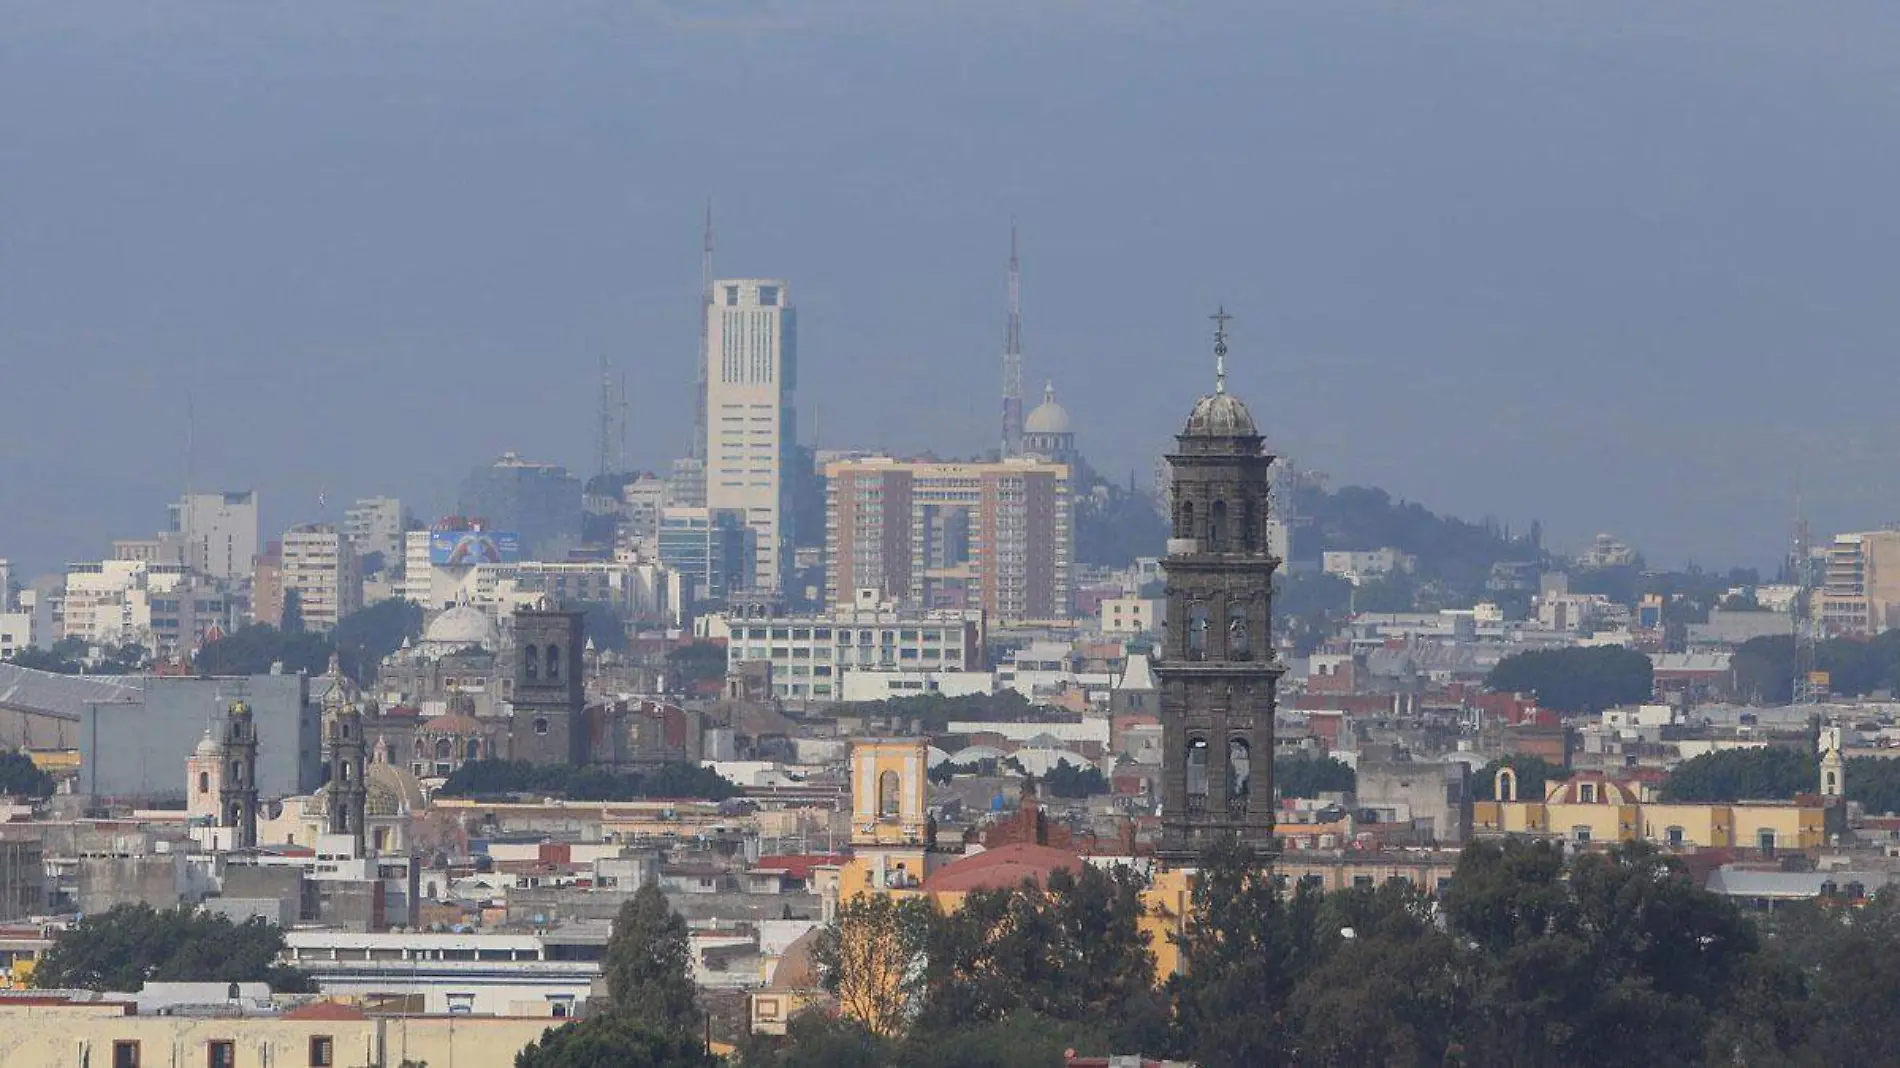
(1220, 318)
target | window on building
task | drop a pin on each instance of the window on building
(540, 725)
(1587, 793)
(554, 663)
(1580, 834)
(322, 1051)
(1673, 836)
(125, 1054)
(221, 1053)
(889, 795)
(531, 663)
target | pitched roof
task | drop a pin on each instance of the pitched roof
(1002, 868)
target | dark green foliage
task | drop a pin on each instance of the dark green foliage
(67, 657)
(1875, 783)
(614, 1041)
(1308, 606)
(1308, 776)
(605, 626)
(1764, 667)
(488, 778)
(291, 622)
(1581, 680)
(364, 637)
(1534, 775)
(1390, 994)
(1759, 774)
(252, 650)
(1113, 531)
(21, 777)
(1067, 781)
(648, 969)
(1452, 553)
(693, 663)
(127, 946)
(935, 712)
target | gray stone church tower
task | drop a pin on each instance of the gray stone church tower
(1218, 672)
(549, 692)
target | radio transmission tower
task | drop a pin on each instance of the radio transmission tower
(1013, 356)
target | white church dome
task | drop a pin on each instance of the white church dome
(460, 626)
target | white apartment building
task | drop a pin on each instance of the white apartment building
(1357, 567)
(751, 427)
(320, 564)
(164, 607)
(1133, 615)
(810, 654)
(374, 525)
(218, 531)
(16, 633)
(643, 591)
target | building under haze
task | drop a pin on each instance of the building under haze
(993, 536)
(1861, 592)
(751, 427)
(712, 552)
(218, 531)
(374, 525)
(538, 502)
(319, 565)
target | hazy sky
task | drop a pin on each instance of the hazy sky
(1618, 266)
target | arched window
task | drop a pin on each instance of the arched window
(1250, 526)
(345, 766)
(554, 663)
(419, 749)
(237, 773)
(204, 782)
(474, 749)
(382, 839)
(1239, 645)
(444, 748)
(1197, 773)
(540, 725)
(1832, 786)
(1217, 527)
(889, 795)
(1239, 776)
(1504, 787)
(531, 664)
(1197, 632)
(1184, 520)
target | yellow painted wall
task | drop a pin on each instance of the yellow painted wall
(1709, 826)
(40, 1037)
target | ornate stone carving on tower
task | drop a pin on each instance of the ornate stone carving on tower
(237, 792)
(1218, 673)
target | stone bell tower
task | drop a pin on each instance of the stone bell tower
(237, 793)
(1217, 674)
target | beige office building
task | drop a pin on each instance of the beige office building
(319, 565)
(751, 427)
(1861, 593)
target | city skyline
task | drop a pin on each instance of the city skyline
(367, 271)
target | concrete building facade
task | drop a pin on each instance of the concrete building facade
(999, 537)
(751, 424)
(540, 502)
(320, 566)
(219, 531)
(374, 525)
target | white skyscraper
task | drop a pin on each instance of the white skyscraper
(219, 531)
(751, 428)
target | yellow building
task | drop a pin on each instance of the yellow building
(1591, 807)
(890, 821)
(42, 1031)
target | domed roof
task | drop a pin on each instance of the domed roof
(463, 625)
(797, 968)
(1002, 868)
(453, 723)
(1220, 415)
(1048, 417)
(390, 791)
(208, 747)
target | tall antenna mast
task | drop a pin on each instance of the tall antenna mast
(698, 451)
(1804, 691)
(603, 446)
(191, 463)
(1013, 355)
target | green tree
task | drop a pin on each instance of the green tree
(127, 946)
(648, 968)
(871, 960)
(1534, 775)
(37, 659)
(253, 650)
(292, 620)
(689, 665)
(615, 1041)
(1582, 680)
(492, 778)
(1310, 776)
(1244, 950)
(364, 637)
(1759, 774)
(21, 777)
(1875, 783)
(1067, 781)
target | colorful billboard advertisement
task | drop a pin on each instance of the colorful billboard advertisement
(466, 548)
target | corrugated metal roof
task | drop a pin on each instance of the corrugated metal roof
(61, 695)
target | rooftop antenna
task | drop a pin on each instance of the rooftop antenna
(1220, 318)
(603, 456)
(1013, 355)
(698, 451)
(1804, 690)
(626, 410)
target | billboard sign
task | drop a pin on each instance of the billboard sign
(466, 548)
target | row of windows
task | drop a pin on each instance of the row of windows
(222, 1053)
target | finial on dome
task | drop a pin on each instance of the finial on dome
(1049, 392)
(1220, 318)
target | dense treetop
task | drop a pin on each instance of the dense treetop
(491, 778)
(1581, 680)
(125, 947)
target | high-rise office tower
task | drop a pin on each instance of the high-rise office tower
(320, 565)
(218, 530)
(751, 427)
(539, 502)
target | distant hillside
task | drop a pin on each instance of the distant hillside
(1452, 553)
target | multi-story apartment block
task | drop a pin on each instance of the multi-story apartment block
(218, 531)
(165, 607)
(751, 426)
(1861, 591)
(320, 566)
(642, 591)
(998, 537)
(374, 525)
(810, 654)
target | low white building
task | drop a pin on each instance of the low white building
(1133, 615)
(470, 974)
(871, 684)
(810, 654)
(1361, 566)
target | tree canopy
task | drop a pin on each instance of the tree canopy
(21, 777)
(489, 778)
(1533, 776)
(1763, 773)
(1582, 680)
(1311, 776)
(1065, 780)
(128, 946)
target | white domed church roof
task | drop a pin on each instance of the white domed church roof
(1048, 417)
(460, 626)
